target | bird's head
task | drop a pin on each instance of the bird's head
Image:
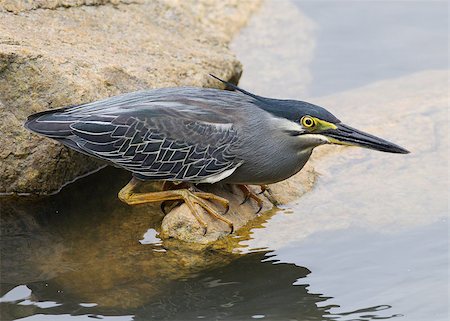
(314, 126)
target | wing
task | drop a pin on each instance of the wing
(160, 148)
(184, 134)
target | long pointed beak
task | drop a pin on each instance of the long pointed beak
(346, 135)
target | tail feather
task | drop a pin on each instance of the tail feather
(51, 123)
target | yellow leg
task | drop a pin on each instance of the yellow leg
(168, 185)
(129, 196)
(264, 188)
(248, 193)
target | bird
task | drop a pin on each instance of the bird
(188, 136)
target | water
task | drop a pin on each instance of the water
(391, 39)
(369, 242)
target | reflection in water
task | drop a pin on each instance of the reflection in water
(84, 238)
(82, 246)
(79, 253)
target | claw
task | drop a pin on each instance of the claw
(227, 208)
(247, 196)
(250, 194)
(260, 208)
(231, 228)
(190, 198)
(263, 189)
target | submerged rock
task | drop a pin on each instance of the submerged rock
(95, 49)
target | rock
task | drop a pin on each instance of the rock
(95, 49)
(180, 224)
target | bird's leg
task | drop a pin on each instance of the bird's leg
(191, 198)
(248, 193)
(264, 187)
(169, 185)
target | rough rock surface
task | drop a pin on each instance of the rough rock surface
(180, 224)
(63, 52)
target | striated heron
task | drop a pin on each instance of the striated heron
(199, 135)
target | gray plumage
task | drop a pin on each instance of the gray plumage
(180, 134)
(189, 134)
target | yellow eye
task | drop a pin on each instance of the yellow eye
(308, 122)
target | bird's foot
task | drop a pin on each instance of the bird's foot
(190, 198)
(249, 194)
(264, 188)
(166, 186)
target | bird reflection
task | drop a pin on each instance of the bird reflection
(82, 246)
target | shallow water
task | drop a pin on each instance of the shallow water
(391, 39)
(369, 242)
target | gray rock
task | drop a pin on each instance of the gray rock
(180, 224)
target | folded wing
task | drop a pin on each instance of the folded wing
(157, 137)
